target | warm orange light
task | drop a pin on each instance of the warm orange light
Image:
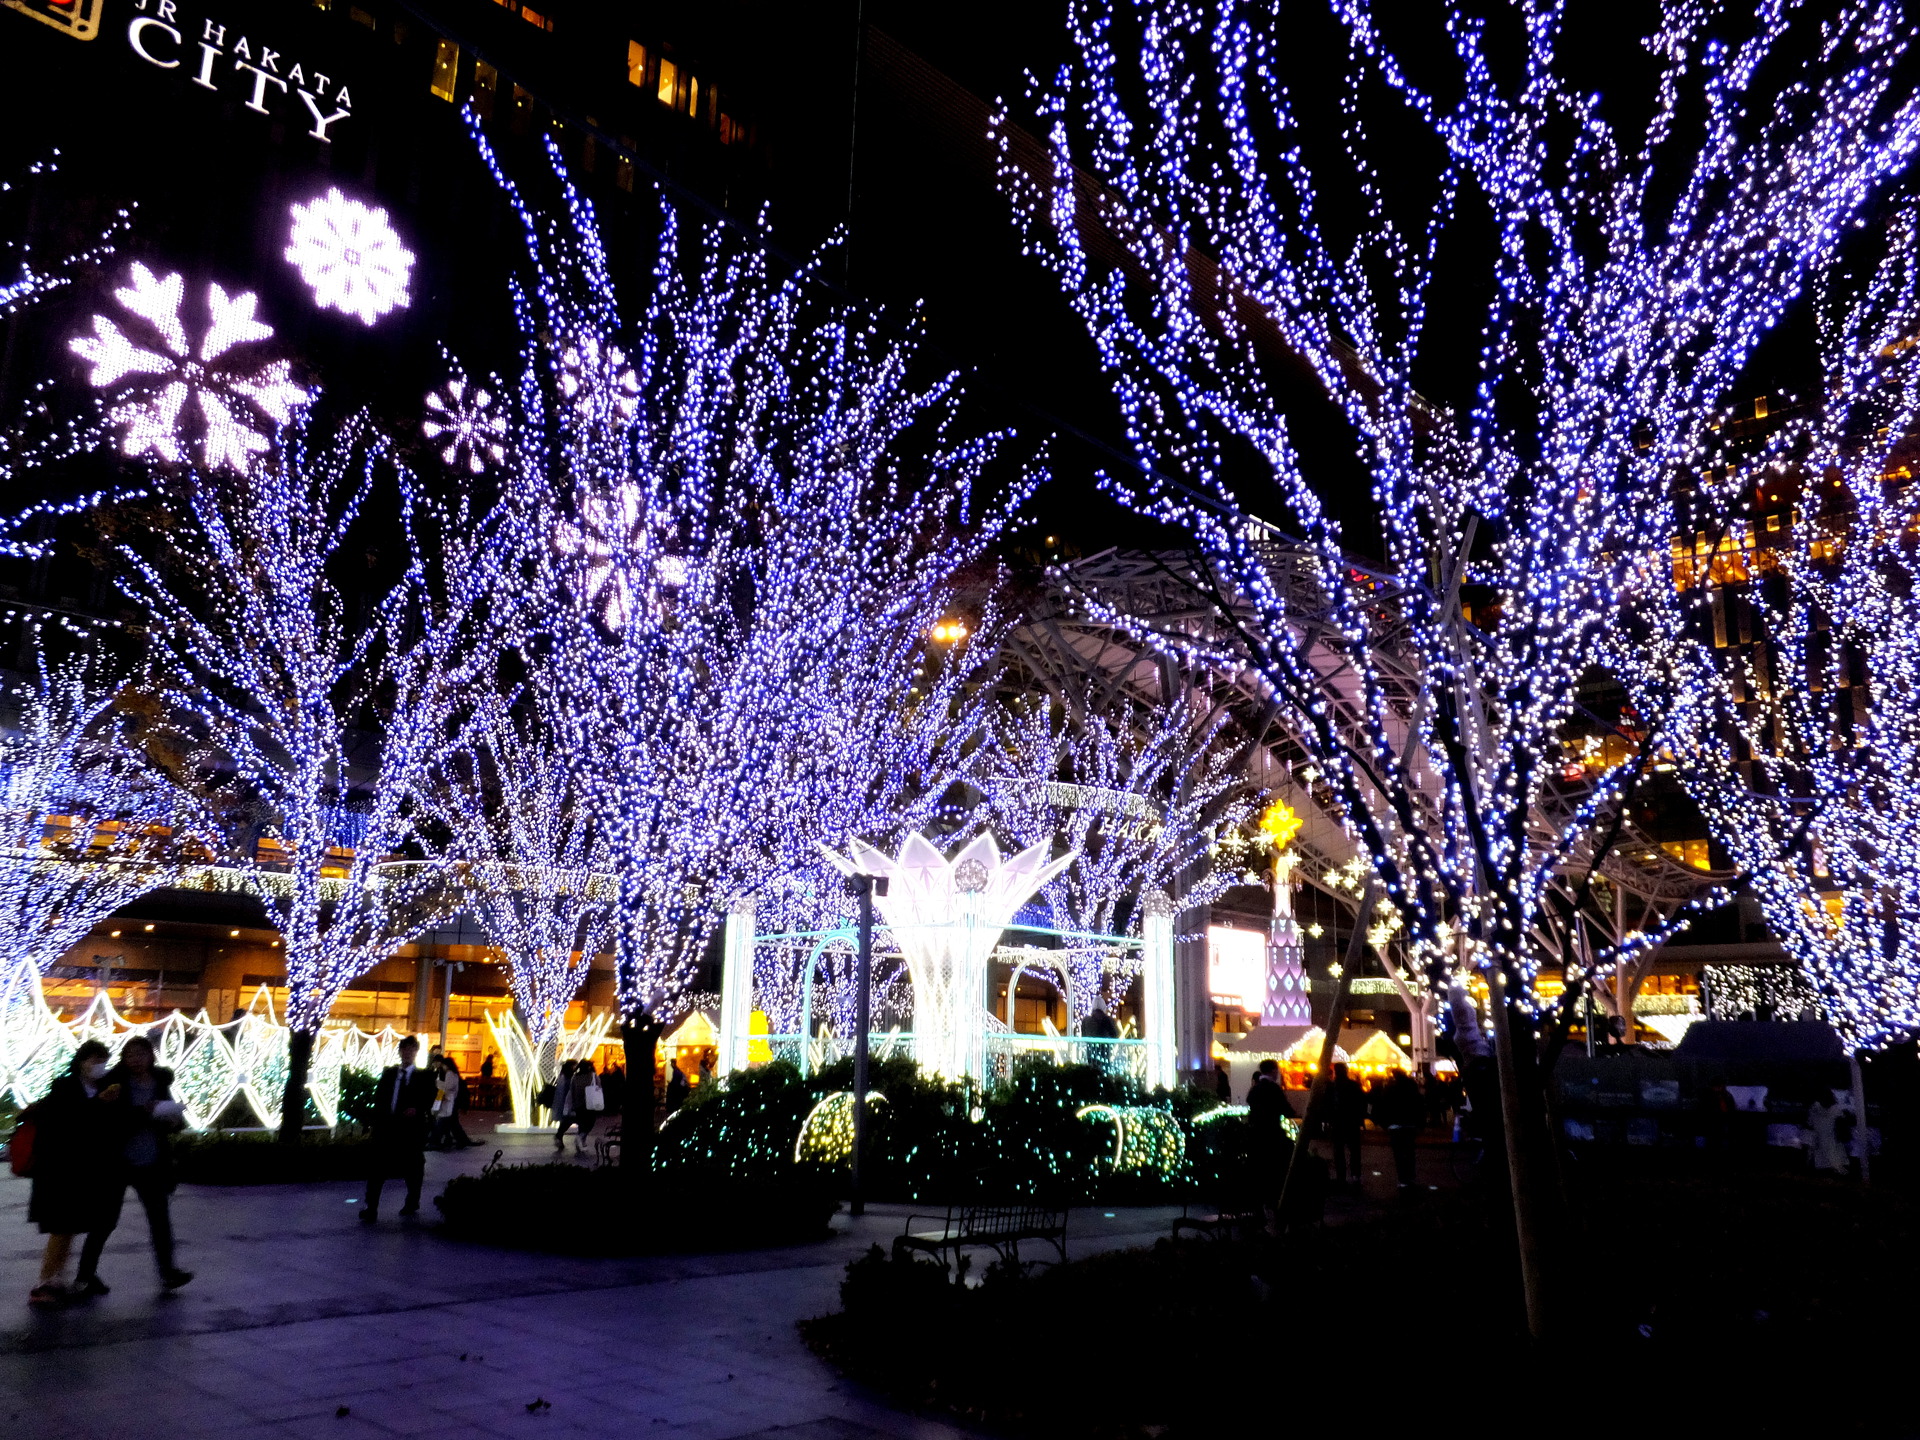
(234, 934)
(949, 631)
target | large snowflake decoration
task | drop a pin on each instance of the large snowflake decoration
(466, 426)
(585, 372)
(612, 537)
(235, 392)
(349, 256)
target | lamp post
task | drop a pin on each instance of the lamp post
(864, 888)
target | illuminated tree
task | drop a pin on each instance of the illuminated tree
(1139, 793)
(735, 513)
(329, 709)
(535, 869)
(87, 823)
(1221, 236)
(1803, 748)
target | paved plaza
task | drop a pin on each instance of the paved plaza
(302, 1322)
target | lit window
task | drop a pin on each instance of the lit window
(1760, 408)
(726, 130)
(446, 69)
(1773, 522)
(669, 85)
(362, 17)
(636, 63)
(693, 94)
(535, 18)
(486, 84)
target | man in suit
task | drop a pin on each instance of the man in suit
(402, 1105)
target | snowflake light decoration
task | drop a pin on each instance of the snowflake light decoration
(349, 256)
(586, 375)
(466, 425)
(235, 392)
(613, 527)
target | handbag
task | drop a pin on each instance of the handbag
(20, 1146)
(596, 1097)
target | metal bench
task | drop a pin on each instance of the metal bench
(999, 1228)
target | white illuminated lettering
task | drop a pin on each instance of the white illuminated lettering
(320, 83)
(240, 48)
(260, 81)
(321, 122)
(166, 10)
(205, 77)
(295, 77)
(341, 98)
(270, 60)
(216, 34)
(136, 37)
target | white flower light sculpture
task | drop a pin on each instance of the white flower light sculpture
(349, 256)
(947, 916)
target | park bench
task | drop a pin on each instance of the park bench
(977, 1225)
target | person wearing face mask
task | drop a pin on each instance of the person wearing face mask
(73, 1165)
(142, 1115)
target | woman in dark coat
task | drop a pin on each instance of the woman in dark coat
(142, 1116)
(73, 1164)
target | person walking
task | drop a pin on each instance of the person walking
(613, 1083)
(589, 1099)
(402, 1103)
(563, 1103)
(1349, 1115)
(142, 1115)
(677, 1086)
(1400, 1110)
(73, 1167)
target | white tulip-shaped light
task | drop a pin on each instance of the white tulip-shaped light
(947, 916)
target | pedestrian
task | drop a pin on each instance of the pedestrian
(137, 1096)
(1349, 1114)
(589, 1099)
(1269, 1146)
(1829, 1149)
(73, 1165)
(486, 1067)
(1222, 1083)
(562, 1105)
(1400, 1109)
(402, 1105)
(706, 1068)
(446, 1090)
(677, 1086)
(613, 1082)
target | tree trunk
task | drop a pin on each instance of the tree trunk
(638, 1034)
(1516, 1117)
(293, 1100)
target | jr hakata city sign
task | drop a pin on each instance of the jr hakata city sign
(213, 54)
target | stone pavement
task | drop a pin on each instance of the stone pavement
(301, 1322)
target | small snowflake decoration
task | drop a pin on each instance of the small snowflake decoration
(586, 373)
(350, 257)
(237, 395)
(618, 522)
(466, 426)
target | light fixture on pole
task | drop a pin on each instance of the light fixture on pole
(864, 887)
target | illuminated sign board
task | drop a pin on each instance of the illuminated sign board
(213, 53)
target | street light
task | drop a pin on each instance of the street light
(864, 888)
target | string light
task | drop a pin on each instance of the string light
(1440, 735)
(741, 521)
(1137, 795)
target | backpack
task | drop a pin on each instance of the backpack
(546, 1096)
(20, 1147)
